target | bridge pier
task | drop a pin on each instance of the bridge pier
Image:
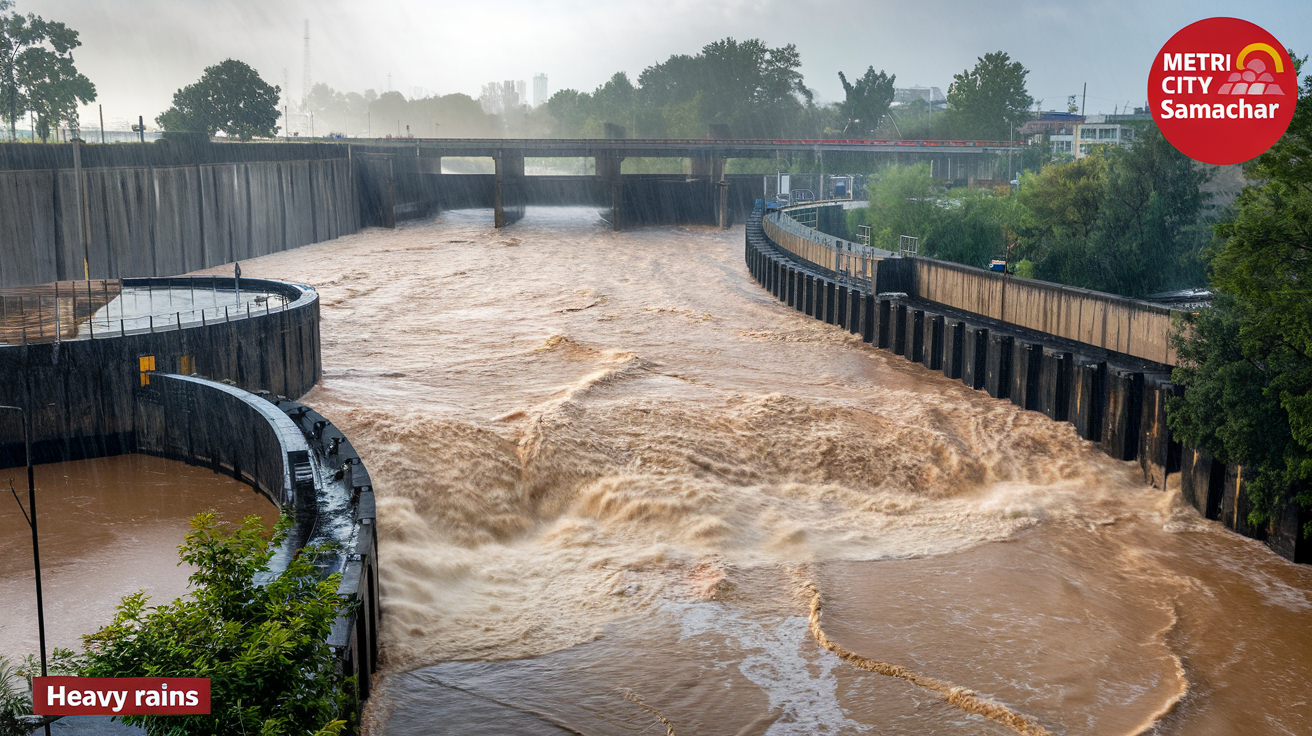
(712, 169)
(508, 189)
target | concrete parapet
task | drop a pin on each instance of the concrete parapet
(1114, 323)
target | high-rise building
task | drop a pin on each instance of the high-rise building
(539, 89)
(521, 92)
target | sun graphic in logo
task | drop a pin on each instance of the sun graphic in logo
(1255, 79)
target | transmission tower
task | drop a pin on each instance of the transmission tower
(306, 82)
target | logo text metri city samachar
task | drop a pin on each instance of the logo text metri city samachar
(1252, 81)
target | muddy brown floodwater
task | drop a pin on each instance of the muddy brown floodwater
(109, 527)
(614, 475)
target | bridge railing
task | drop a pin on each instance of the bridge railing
(852, 262)
(89, 310)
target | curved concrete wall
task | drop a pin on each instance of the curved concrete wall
(301, 463)
(82, 391)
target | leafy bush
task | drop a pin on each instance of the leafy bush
(263, 646)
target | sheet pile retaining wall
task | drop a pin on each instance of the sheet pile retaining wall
(1088, 362)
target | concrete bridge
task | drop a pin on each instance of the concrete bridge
(708, 192)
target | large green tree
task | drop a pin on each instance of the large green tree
(986, 101)
(54, 87)
(1247, 360)
(866, 102)
(754, 89)
(37, 71)
(230, 97)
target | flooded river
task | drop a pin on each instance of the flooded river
(622, 490)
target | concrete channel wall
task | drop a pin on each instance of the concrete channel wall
(82, 392)
(1113, 397)
(299, 461)
(164, 210)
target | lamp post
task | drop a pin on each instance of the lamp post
(31, 521)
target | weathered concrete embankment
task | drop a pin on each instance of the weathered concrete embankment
(74, 212)
(1101, 362)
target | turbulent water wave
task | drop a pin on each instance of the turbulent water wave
(518, 536)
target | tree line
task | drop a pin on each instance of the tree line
(752, 89)
(1128, 221)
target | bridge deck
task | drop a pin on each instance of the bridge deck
(681, 148)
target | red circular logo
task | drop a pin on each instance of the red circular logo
(1222, 90)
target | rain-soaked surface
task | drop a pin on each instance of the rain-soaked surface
(166, 306)
(108, 528)
(622, 490)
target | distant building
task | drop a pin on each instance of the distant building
(932, 96)
(1049, 122)
(540, 95)
(1079, 140)
(521, 92)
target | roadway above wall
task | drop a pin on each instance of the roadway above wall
(670, 147)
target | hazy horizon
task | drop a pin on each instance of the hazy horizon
(138, 58)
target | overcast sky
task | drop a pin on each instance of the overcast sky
(138, 53)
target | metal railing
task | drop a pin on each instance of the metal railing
(853, 263)
(88, 310)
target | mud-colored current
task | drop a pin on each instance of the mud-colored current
(108, 528)
(621, 490)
